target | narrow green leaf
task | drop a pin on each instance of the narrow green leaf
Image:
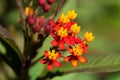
(4, 35)
(76, 76)
(96, 63)
(12, 55)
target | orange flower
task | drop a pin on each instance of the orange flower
(76, 55)
(88, 36)
(51, 59)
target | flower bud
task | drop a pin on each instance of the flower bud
(48, 29)
(41, 21)
(46, 7)
(31, 21)
(37, 28)
(41, 2)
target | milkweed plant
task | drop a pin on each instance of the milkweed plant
(38, 21)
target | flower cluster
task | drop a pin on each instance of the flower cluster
(64, 33)
(37, 23)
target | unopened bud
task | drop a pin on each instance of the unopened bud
(31, 21)
(41, 2)
(48, 29)
(46, 7)
(37, 28)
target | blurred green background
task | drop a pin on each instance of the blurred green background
(102, 17)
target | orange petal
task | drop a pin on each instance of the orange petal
(74, 63)
(46, 53)
(82, 59)
(50, 67)
(66, 59)
(54, 43)
(70, 49)
(61, 45)
(43, 61)
(59, 55)
(57, 64)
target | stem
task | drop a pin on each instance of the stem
(22, 14)
(33, 62)
(59, 6)
(25, 72)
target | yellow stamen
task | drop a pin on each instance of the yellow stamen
(62, 32)
(64, 19)
(88, 36)
(75, 28)
(77, 51)
(72, 15)
(52, 55)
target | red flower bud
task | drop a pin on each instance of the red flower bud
(37, 28)
(46, 7)
(31, 21)
(41, 22)
(48, 29)
(41, 2)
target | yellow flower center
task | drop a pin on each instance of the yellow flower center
(72, 15)
(52, 55)
(77, 51)
(88, 36)
(62, 32)
(64, 19)
(75, 29)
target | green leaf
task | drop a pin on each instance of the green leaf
(12, 55)
(76, 76)
(36, 70)
(113, 76)
(96, 63)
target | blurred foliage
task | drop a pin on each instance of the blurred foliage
(102, 17)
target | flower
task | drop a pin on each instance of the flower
(64, 32)
(76, 55)
(88, 36)
(29, 11)
(51, 59)
(59, 38)
(71, 15)
(75, 29)
(64, 19)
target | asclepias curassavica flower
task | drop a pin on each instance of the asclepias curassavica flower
(64, 32)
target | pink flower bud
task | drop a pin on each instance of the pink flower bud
(41, 22)
(41, 2)
(31, 20)
(46, 7)
(48, 29)
(37, 28)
